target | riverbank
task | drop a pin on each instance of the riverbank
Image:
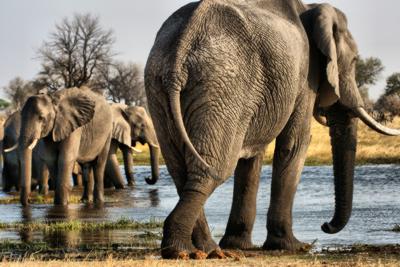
(373, 148)
(357, 255)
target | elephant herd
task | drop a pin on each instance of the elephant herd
(223, 80)
(74, 132)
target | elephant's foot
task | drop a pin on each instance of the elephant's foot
(180, 250)
(131, 180)
(7, 189)
(86, 198)
(236, 242)
(205, 244)
(217, 254)
(288, 244)
(44, 190)
(98, 196)
(224, 254)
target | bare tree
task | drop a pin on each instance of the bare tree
(76, 50)
(123, 82)
(18, 90)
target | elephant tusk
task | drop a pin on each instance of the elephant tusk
(135, 150)
(8, 150)
(373, 124)
(32, 146)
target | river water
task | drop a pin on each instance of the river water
(376, 208)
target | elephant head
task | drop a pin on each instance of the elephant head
(340, 100)
(52, 117)
(131, 125)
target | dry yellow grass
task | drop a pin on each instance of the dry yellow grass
(372, 147)
(359, 260)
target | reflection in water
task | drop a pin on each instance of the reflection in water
(375, 209)
(59, 213)
(154, 198)
(26, 235)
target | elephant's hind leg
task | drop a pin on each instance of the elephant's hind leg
(113, 174)
(243, 211)
(88, 183)
(201, 236)
(179, 225)
(289, 157)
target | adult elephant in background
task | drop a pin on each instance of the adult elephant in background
(130, 125)
(226, 78)
(74, 125)
(11, 172)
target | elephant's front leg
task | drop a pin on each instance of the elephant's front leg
(98, 171)
(63, 182)
(128, 164)
(243, 211)
(68, 153)
(44, 179)
(289, 157)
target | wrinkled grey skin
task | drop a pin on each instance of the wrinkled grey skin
(11, 159)
(130, 125)
(74, 125)
(226, 78)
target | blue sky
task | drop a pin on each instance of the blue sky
(24, 24)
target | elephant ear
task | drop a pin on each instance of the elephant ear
(325, 25)
(121, 129)
(72, 112)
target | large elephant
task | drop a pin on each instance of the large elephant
(226, 78)
(10, 173)
(74, 125)
(131, 125)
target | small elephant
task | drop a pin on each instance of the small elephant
(11, 176)
(74, 125)
(226, 78)
(131, 125)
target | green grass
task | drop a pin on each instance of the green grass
(75, 225)
(36, 198)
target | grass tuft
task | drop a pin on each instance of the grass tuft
(75, 225)
(39, 199)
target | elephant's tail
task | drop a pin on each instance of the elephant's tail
(178, 77)
(175, 103)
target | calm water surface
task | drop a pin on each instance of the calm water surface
(376, 208)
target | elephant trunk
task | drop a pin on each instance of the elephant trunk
(154, 158)
(26, 175)
(343, 132)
